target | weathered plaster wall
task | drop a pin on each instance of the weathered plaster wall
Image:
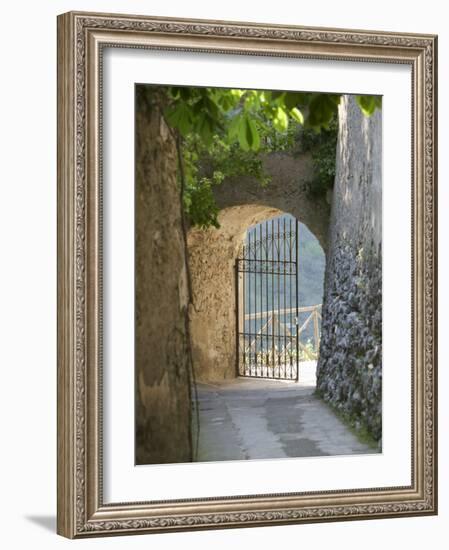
(161, 306)
(212, 253)
(287, 191)
(349, 373)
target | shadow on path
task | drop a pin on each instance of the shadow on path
(248, 418)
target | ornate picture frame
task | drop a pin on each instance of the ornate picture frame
(82, 38)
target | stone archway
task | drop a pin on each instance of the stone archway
(212, 255)
(212, 252)
(288, 191)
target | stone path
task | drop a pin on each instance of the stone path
(252, 418)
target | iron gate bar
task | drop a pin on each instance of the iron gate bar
(297, 302)
(290, 295)
(249, 296)
(265, 339)
(277, 300)
(249, 265)
(284, 304)
(261, 296)
(273, 357)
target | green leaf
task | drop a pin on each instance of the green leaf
(293, 99)
(180, 116)
(277, 94)
(174, 91)
(255, 138)
(245, 130)
(236, 94)
(181, 92)
(296, 114)
(252, 100)
(225, 100)
(368, 103)
(244, 134)
(211, 107)
(280, 120)
(234, 128)
(322, 108)
(204, 128)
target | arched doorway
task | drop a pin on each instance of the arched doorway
(214, 317)
(277, 328)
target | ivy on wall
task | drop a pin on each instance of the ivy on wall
(225, 133)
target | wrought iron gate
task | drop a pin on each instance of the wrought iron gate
(267, 301)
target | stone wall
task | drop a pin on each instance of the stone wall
(349, 373)
(288, 191)
(162, 367)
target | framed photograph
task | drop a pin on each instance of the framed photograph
(246, 274)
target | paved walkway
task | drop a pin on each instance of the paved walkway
(253, 418)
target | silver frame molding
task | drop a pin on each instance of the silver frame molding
(81, 37)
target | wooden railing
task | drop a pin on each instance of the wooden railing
(274, 322)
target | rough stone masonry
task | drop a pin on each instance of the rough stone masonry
(163, 409)
(349, 372)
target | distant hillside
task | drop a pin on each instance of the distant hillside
(312, 263)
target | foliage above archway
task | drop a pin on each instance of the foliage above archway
(223, 132)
